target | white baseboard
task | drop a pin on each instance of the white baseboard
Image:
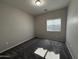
(28, 38)
(69, 48)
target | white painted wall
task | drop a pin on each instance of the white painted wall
(41, 26)
(16, 27)
(72, 29)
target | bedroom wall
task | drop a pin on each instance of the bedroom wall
(40, 25)
(16, 27)
(72, 29)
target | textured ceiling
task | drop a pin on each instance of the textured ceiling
(30, 7)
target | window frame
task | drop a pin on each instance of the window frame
(54, 30)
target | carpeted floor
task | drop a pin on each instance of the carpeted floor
(27, 49)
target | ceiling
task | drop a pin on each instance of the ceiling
(30, 7)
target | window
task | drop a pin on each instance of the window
(54, 25)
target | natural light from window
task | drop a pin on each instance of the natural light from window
(54, 25)
(50, 54)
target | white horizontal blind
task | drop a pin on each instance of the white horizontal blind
(54, 25)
